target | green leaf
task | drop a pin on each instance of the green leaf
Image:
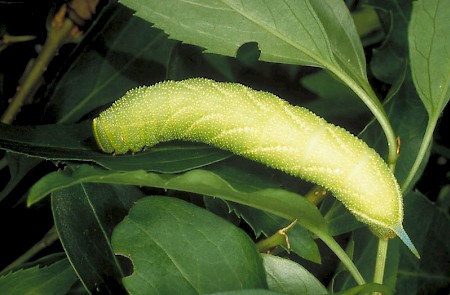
(247, 292)
(164, 230)
(300, 240)
(120, 57)
(189, 61)
(75, 142)
(389, 60)
(277, 201)
(336, 102)
(249, 177)
(343, 37)
(430, 69)
(47, 141)
(19, 167)
(430, 234)
(56, 278)
(430, 53)
(340, 220)
(85, 216)
(443, 199)
(288, 277)
(318, 33)
(220, 208)
(371, 288)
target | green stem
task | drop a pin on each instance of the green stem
(271, 242)
(367, 95)
(340, 253)
(316, 195)
(3, 163)
(424, 147)
(366, 20)
(50, 237)
(277, 239)
(55, 38)
(381, 261)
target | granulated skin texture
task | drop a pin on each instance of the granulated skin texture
(260, 126)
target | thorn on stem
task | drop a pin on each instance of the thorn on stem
(284, 230)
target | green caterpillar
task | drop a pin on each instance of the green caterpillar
(260, 126)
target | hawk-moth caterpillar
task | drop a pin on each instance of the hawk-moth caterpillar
(260, 126)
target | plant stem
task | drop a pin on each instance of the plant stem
(366, 20)
(424, 147)
(381, 261)
(3, 163)
(55, 38)
(340, 253)
(316, 195)
(369, 97)
(48, 239)
(277, 239)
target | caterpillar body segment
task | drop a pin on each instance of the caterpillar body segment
(260, 126)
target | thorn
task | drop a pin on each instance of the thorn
(401, 233)
(283, 233)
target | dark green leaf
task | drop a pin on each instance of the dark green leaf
(75, 142)
(389, 59)
(340, 220)
(405, 273)
(171, 157)
(179, 248)
(319, 33)
(220, 208)
(371, 288)
(19, 167)
(56, 278)
(247, 177)
(125, 54)
(247, 292)
(189, 61)
(277, 201)
(48, 141)
(336, 102)
(85, 216)
(429, 228)
(443, 200)
(300, 240)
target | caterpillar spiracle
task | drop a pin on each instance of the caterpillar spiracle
(260, 126)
